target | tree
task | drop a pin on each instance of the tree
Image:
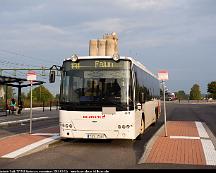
(40, 94)
(23, 96)
(181, 95)
(195, 93)
(9, 91)
(57, 96)
(212, 89)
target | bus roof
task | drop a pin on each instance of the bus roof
(137, 63)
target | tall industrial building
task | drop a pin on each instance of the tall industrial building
(107, 46)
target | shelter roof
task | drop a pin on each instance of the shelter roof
(18, 82)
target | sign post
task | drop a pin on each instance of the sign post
(163, 76)
(31, 76)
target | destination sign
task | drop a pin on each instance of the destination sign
(96, 64)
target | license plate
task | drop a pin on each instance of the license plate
(95, 136)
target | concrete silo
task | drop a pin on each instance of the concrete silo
(111, 44)
(104, 47)
(101, 47)
(93, 47)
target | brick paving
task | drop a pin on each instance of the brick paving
(182, 128)
(176, 150)
(12, 143)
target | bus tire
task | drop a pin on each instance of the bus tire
(156, 115)
(142, 128)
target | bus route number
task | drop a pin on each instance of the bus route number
(75, 66)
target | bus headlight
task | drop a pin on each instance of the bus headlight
(124, 126)
(67, 126)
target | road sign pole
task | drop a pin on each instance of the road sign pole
(164, 100)
(31, 109)
(31, 76)
(163, 76)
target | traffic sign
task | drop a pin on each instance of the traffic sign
(31, 75)
(163, 75)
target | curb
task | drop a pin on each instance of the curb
(56, 139)
(40, 148)
(149, 146)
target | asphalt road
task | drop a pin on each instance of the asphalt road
(14, 129)
(111, 154)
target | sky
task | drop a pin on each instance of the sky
(176, 35)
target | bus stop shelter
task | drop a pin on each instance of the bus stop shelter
(17, 83)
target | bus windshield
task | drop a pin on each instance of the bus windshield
(90, 88)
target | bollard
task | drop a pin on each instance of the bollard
(43, 106)
(56, 105)
(50, 105)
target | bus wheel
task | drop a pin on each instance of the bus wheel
(156, 115)
(142, 128)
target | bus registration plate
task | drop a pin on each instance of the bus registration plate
(95, 136)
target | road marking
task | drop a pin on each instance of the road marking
(209, 151)
(24, 120)
(30, 147)
(201, 130)
(184, 137)
(45, 134)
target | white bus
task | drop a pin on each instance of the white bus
(104, 97)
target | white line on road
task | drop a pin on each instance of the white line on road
(30, 147)
(24, 120)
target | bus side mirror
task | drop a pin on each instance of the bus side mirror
(52, 76)
(139, 106)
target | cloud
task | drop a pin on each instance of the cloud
(104, 25)
(146, 4)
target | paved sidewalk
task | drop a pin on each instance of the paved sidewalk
(22, 144)
(187, 143)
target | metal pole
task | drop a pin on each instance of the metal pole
(31, 109)
(50, 105)
(43, 105)
(165, 126)
(6, 101)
